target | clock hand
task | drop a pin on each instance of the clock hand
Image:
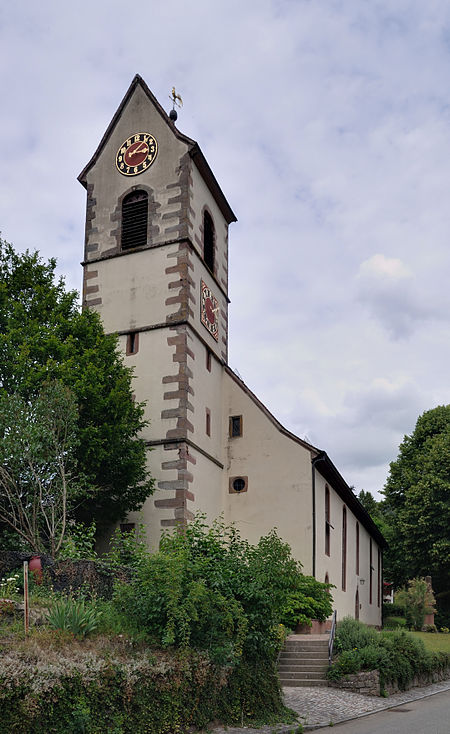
(138, 149)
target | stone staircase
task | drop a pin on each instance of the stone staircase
(304, 661)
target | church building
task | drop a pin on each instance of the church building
(156, 269)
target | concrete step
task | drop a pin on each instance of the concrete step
(303, 674)
(303, 667)
(304, 655)
(295, 683)
(295, 646)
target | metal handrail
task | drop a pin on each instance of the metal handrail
(332, 636)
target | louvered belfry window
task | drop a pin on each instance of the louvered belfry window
(208, 241)
(134, 220)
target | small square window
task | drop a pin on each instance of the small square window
(208, 360)
(132, 342)
(235, 426)
(127, 527)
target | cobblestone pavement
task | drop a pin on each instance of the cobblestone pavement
(319, 706)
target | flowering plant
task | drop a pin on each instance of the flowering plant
(8, 586)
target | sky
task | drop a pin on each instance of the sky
(327, 125)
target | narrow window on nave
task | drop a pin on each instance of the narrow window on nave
(370, 572)
(208, 241)
(134, 220)
(379, 578)
(344, 548)
(357, 548)
(327, 521)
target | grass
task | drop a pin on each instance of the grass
(434, 641)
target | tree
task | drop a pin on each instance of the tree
(37, 465)
(417, 502)
(45, 336)
(418, 600)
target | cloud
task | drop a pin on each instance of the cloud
(388, 289)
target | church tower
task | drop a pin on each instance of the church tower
(156, 269)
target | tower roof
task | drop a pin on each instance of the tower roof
(193, 148)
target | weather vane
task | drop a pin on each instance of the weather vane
(176, 102)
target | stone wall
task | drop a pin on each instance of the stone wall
(368, 682)
(91, 576)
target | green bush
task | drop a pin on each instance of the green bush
(397, 655)
(310, 599)
(353, 634)
(79, 542)
(418, 600)
(393, 610)
(208, 588)
(394, 623)
(127, 548)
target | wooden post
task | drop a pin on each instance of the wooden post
(26, 610)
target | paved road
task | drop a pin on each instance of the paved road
(319, 707)
(428, 716)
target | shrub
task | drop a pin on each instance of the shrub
(353, 634)
(127, 548)
(418, 600)
(79, 542)
(397, 655)
(208, 588)
(310, 599)
(73, 615)
(393, 610)
(394, 623)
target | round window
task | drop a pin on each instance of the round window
(239, 484)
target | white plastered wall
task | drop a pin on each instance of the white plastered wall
(370, 613)
(279, 478)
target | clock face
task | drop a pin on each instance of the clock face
(136, 154)
(209, 310)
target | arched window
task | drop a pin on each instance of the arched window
(357, 549)
(327, 521)
(344, 548)
(208, 241)
(134, 220)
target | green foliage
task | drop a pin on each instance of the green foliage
(9, 586)
(417, 503)
(79, 542)
(121, 698)
(397, 655)
(127, 548)
(393, 623)
(310, 600)
(73, 615)
(253, 695)
(44, 336)
(210, 589)
(417, 600)
(352, 634)
(393, 610)
(37, 464)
